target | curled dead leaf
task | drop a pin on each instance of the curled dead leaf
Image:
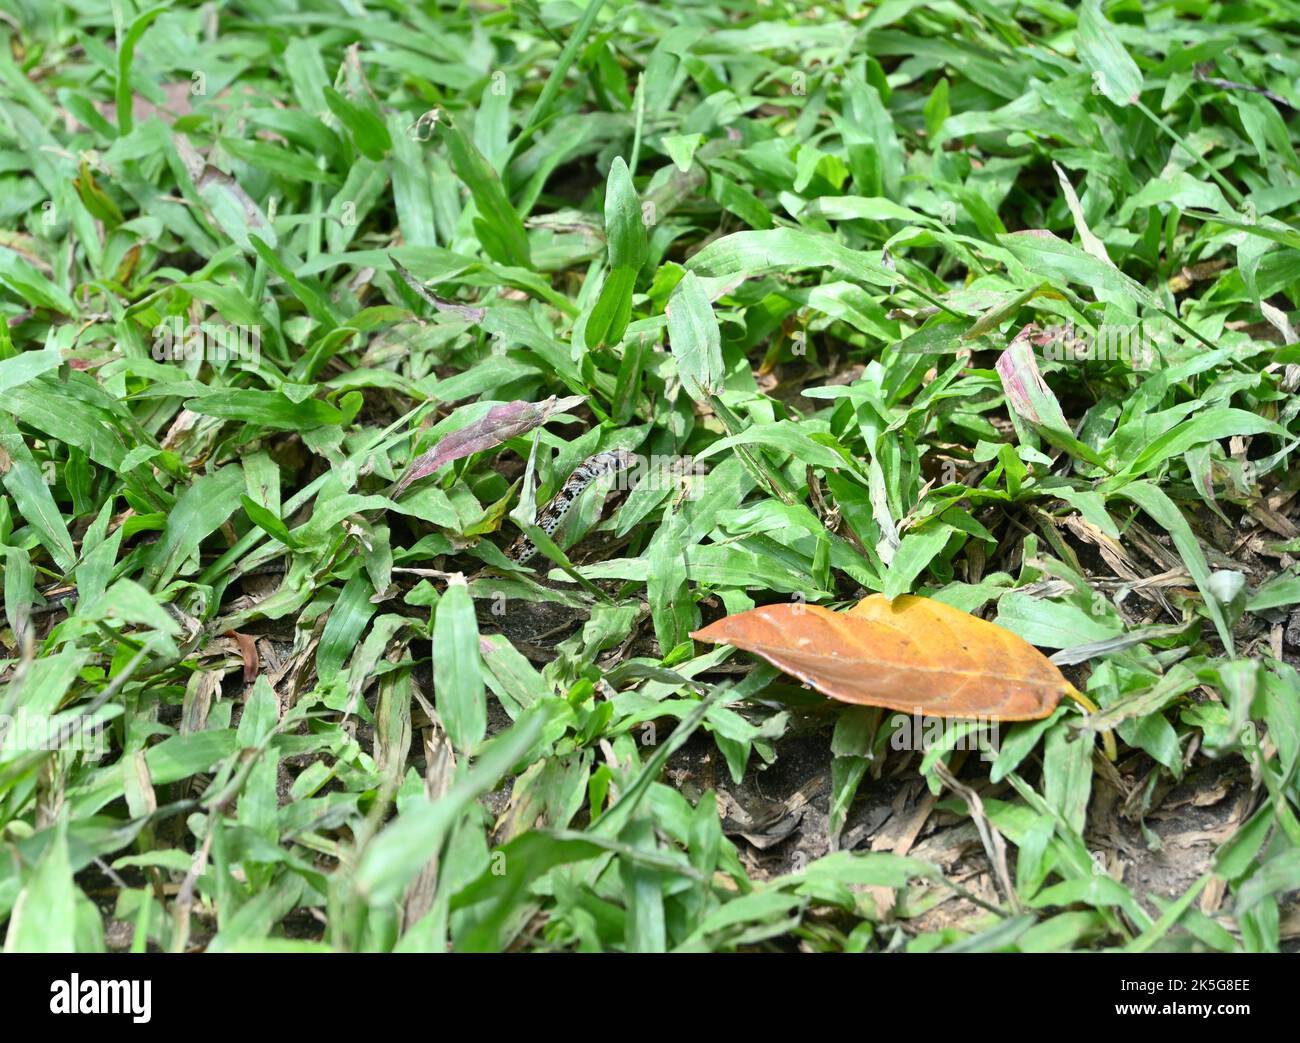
(912, 654)
(501, 422)
(248, 653)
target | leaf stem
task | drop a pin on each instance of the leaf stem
(1107, 736)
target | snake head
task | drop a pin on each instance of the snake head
(613, 460)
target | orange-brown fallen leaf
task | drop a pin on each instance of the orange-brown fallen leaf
(248, 653)
(913, 655)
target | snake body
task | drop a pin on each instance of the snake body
(523, 549)
(550, 516)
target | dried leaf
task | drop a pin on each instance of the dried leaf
(501, 422)
(1030, 398)
(233, 209)
(1026, 390)
(463, 311)
(1090, 242)
(913, 654)
(248, 653)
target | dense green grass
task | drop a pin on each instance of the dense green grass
(786, 250)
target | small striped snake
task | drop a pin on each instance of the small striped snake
(521, 551)
(550, 516)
